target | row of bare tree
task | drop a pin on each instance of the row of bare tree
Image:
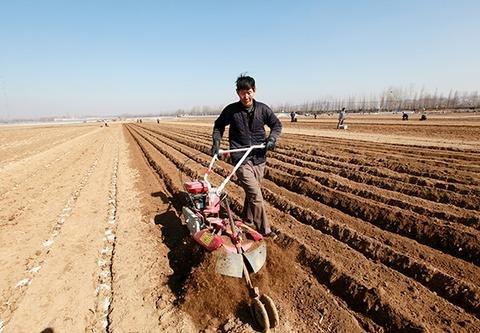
(392, 99)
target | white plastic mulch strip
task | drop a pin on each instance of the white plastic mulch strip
(48, 243)
(23, 282)
(104, 286)
(35, 269)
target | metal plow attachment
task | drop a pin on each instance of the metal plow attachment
(257, 256)
(231, 264)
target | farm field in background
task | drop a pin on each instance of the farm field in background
(379, 227)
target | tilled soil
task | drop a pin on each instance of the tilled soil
(377, 235)
(389, 232)
(77, 250)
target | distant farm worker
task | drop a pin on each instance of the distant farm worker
(293, 117)
(341, 118)
(404, 115)
(423, 115)
(246, 119)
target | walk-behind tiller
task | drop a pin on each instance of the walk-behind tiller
(240, 249)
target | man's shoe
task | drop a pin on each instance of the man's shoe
(250, 224)
(271, 235)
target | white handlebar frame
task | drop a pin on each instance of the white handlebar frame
(215, 158)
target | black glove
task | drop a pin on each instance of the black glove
(270, 143)
(215, 147)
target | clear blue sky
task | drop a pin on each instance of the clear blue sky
(109, 57)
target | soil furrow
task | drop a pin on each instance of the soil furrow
(458, 292)
(454, 290)
(390, 198)
(453, 239)
(367, 191)
(385, 308)
(195, 174)
(447, 193)
(412, 186)
(461, 243)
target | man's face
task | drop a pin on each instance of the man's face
(246, 97)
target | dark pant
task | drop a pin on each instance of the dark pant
(250, 177)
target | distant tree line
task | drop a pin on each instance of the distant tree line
(392, 99)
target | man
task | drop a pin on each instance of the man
(341, 118)
(246, 119)
(293, 117)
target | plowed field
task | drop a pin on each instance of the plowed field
(378, 229)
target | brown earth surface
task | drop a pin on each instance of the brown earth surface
(378, 228)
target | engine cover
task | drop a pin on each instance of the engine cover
(194, 223)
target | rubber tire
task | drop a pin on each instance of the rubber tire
(260, 314)
(272, 312)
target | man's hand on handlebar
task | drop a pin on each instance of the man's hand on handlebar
(270, 143)
(215, 147)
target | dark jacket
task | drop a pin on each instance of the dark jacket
(247, 129)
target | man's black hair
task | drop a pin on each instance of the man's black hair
(245, 82)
